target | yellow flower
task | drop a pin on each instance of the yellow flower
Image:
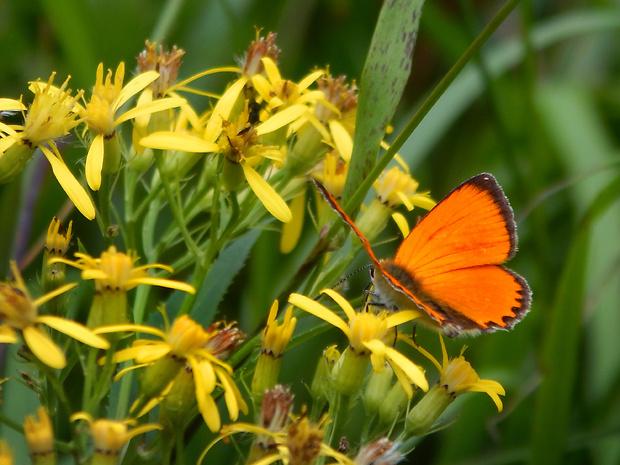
(52, 114)
(275, 338)
(39, 435)
(114, 274)
(100, 115)
(18, 311)
(456, 377)
(6, 456)
(299, 443)
(396, 187)
(368, 334)
(237, 143)
(57, 239)
(287, 98)
(109, 436)
(185, 342)
(53, 275)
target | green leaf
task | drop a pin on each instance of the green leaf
(554, 403)
(220, 276)
(385, 74)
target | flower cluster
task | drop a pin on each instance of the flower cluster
(145, 357)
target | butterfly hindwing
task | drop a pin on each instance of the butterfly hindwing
(482, 298)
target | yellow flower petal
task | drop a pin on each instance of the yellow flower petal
(267, 194)
(404, 316)
(311, 97)
(133, 87)
(7, 335)
(205, 371)
(206, 404)
(7, 104)
(142, 429)
(404, 381)
(395, 358)
(43, 347)
(94, 162)
(291, 231)
(402, 223)
(262, 86)
(70, 185)
(342, 139)
(309, 79)
(150, 353)
(149, 108)
(130, 327)
(281, 119)
(144, 354)
(75, 330)
(311, 306)
(341, 301)
(162, 282)
(166, 140)
(223, 108)
(271, 69)
(52, 294)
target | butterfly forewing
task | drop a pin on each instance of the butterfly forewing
(472, 226)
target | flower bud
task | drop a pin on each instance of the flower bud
(424, 414)
(377, 389)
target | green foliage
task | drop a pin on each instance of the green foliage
(538, 107)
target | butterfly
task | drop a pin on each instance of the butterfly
(450, 265)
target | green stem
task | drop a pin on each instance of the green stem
(57, 386)
(130, 178)
(426, 106)
(180, 447)
(104, 195)
(339, 413)
(177, 210)
(89, 381)
(11, 424)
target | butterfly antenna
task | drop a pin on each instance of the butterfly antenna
(346, 278)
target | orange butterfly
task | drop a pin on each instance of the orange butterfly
(450, 265)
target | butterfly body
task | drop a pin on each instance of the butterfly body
(450, 265)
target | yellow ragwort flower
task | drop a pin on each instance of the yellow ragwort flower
(109, 436)
(457, 377)
(299, 443)
(237, 143)
(52, 114)
(396, 187)
(114, 274)
(275, 339)
(6, 456)
(185, 342)
(100, 116)
(40, 436)
(114, 271)
(19, 312)
(368, 335)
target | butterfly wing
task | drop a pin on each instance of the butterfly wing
(473, 225)
(481, 298)
(452, 259)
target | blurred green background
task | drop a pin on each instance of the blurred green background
(539, 108)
